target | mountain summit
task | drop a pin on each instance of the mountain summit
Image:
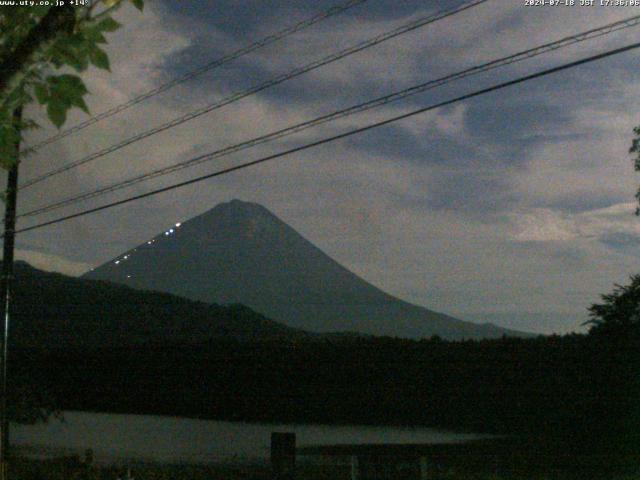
(239, 252)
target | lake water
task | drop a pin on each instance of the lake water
(122, 438)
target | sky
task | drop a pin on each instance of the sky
(515, 207)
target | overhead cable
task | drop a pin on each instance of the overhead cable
(358, 108)
(333, 138)
(408, 27)
(335, 10)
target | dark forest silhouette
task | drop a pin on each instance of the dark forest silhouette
(579, 390)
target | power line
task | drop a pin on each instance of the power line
(359, 108)
(335, 10)
(421, 22)
(338, 137)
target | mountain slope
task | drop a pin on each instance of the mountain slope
(239, 252)
(53, 310)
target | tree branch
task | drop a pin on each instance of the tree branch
(57, 20)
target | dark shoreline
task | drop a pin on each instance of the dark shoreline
(555, 384)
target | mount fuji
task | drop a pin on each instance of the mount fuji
(240, 252)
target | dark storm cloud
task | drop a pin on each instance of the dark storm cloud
(296, 51)
(239, 18)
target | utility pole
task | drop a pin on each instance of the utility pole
(56, 20)
(6, 291)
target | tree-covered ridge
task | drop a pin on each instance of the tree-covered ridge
(572, 390)
(572, 385)
(54, 310)
(116, 349)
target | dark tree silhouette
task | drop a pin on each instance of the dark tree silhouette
(620, 311)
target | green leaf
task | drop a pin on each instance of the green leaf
(100, 59)
(94, 35)
(65, 54)
(66, 86)
(79, 102)
(57, 112)
(65, 91)
(42, 93)
(108, 25)
(139, 4)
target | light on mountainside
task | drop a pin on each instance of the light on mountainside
(263, 263)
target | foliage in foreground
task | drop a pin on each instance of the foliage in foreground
(39, 46)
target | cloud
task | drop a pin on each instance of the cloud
(544, 224)
(52, 263)
(518, 201)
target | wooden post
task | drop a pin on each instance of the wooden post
(424, 472)
(283, 455)
(354, 468)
